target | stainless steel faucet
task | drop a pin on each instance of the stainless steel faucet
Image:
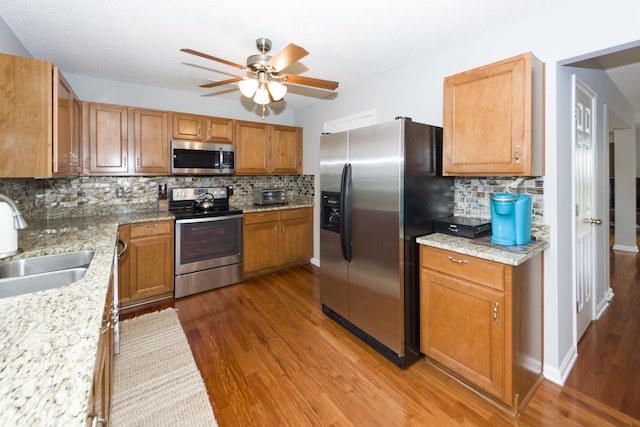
(18, 220)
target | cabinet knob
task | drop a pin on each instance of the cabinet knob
(518, 153)
(495, 314)
(459, 261)
(151, 226)
(283, 229)
(167, 246)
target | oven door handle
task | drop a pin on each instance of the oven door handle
(208, 219)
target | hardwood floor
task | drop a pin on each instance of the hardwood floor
(269, 357)
(608, 365)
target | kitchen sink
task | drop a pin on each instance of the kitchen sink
(45, 264)
(13, 286)
(27, 275)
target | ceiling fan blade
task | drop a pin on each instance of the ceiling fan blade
(287, 56)
(308, 81)
(223, 82)
(213, 58)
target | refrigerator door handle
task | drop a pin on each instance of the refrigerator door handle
(345, 214)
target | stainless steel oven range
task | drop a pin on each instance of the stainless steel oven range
(208, 239)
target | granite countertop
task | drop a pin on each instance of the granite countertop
(296, 202)
(482, 247)
(49, 338)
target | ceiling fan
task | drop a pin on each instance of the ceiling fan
(263, 81)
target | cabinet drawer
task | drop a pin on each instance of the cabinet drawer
(294, 213)
(258, 217)
(150, 229)
(487, 273)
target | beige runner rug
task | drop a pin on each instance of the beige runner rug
(156, 381)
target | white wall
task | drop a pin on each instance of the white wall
(9, 43)
(546, 35)
(121, 93)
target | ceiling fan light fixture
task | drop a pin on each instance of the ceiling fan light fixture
(248, 87)
(262, 96)
(277, 90)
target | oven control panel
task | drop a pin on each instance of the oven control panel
(186, 194)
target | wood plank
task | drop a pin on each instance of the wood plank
(269, 356)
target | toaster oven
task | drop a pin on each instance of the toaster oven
(269, 196)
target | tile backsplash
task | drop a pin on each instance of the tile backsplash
(472, 195)
(56, 197)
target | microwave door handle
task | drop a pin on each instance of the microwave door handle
(221, 160)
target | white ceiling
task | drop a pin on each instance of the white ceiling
(348, 41)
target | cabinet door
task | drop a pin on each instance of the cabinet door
(26, 112)
(151, 142)
(186, 126)
(150, 266)
(488, 119)
(66, 142)
(219, 130)
(108, 139)
(62, 152)
(296, 238)
(286, 150)
(124, 267)
(76, 135)
(462, 326)
(260, 245)
(252, 148)
(100, 399)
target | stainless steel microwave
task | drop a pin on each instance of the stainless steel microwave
(269, 196)
(202, 158)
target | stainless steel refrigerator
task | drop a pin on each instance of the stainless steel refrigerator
(381, 187)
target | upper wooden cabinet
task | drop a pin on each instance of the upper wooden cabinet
(37, 111)
(493, 119)
(268, 149)
(151, 142)
(108, 139)
(201, 128)
(67, 156)
(126, 141)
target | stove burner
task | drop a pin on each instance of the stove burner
(183, 203)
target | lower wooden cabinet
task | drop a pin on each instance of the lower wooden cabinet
(146, 269)
(100, 399)
(482, 321)
(275, 239)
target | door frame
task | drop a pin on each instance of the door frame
(600, 300)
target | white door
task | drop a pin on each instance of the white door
(584, 148)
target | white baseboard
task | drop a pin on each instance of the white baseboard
(559, 375)
(604, 304)
(625, 248)
(315, 261)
